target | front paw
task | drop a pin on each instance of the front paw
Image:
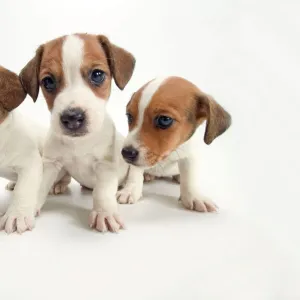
(198, 203)
(59, 188)
(129, 195)
(17, 219)
(104, 221)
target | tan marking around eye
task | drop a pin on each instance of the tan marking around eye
(95, 58)
(176, 99)
(52, 64)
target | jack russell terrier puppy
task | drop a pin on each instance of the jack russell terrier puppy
(163, 117)
(21, 146)
(75, 73)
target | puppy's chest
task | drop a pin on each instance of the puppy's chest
(77, 164)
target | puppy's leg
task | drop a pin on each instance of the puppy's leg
(132, 190)
(105, 215)
(61, 184)
(189, 187)
(21, 212)
(51, 169)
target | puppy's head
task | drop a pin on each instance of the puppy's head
(12, 93)
(75, 74)
(164, 114)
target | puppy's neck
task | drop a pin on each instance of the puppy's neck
(189, 147)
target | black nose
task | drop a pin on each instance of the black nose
(130, 154)
(72, 118)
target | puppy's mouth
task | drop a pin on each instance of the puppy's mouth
(73, 122)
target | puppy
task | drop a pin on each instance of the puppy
(75, 73)
(164, 116)
(20, 155)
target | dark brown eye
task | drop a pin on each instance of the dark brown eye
(97, 77)
(49, 83)
(163, 122)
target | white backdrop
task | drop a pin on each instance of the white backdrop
(244, 53)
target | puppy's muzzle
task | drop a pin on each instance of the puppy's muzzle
(73, 119)
(130, 154)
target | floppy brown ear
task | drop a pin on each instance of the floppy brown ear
(29, 75)
(12, 93)
(120, 61)
(218, 120)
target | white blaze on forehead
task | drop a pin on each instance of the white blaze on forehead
(145, 100)
(72, 56)
(146, 97)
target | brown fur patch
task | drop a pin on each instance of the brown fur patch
(120, 61)
(29, 74)
(175, 99)
(52, 65)
(95, 58)
(12, 93)
(188, 106)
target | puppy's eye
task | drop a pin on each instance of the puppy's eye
(49, 83)
(129, 118)
(163, 122)
(97, 77)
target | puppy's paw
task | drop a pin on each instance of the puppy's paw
(148, 177)
(199, 203)
(10, 186)
(124, 197)
(58, 188)
(104, 221)
(129, 195)
(61, 186)
(19, 220)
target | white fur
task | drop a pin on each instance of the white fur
(184, 160)
(21, 147)
(20, 162)
(94, 159)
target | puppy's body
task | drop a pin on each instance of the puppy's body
(21, 144)
(75, 73)
(20, 140)
(164, 118)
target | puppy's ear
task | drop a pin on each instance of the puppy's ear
(12, 93)
(29, 75)
(218, 120)
(120, 61)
